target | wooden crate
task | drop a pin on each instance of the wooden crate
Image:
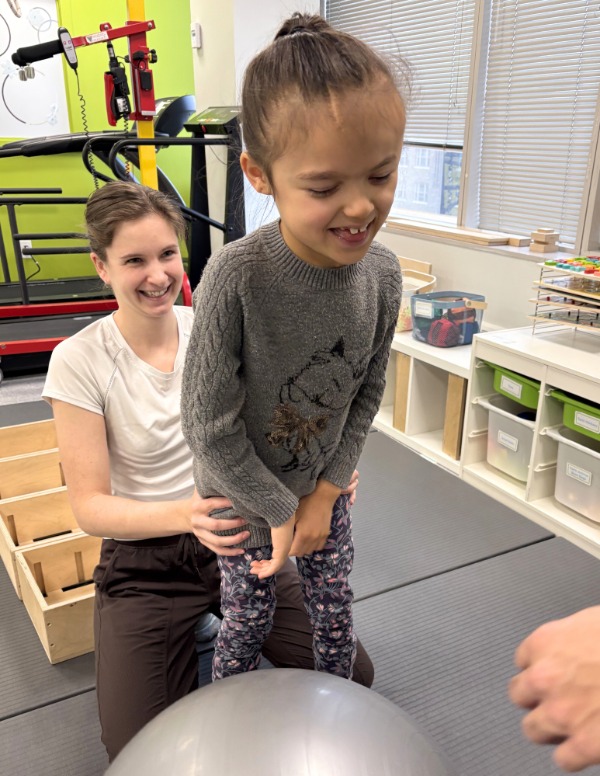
(58, 593)
(27, 438)
(30, 473)
(27, 521)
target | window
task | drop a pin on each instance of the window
(438, 55)
(421, 192)
(506, 98)
(422, 157)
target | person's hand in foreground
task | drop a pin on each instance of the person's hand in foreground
(560, 684)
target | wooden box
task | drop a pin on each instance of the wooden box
(27, 438)
(27, 521)
(58, 593)
(30, 473)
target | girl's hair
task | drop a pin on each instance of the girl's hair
(308, 59)
(121, 201)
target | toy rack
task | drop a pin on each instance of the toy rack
(566, 297)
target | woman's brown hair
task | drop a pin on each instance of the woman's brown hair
(121, 201)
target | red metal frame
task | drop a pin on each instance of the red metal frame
(135, 32)
(57, 308)
(19, 347)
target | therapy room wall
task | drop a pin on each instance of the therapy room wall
(173, 75)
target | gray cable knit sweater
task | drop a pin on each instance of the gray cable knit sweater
(284, 373)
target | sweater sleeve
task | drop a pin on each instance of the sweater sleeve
(213, 395)
(366, 403)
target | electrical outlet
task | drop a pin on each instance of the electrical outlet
(25, 244)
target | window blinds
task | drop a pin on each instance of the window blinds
(435, 38)
(540, 101)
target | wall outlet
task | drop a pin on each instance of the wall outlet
(196, 31)
(25, 244)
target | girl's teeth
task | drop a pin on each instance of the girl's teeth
(352, 230)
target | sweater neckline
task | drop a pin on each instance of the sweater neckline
(296, 269)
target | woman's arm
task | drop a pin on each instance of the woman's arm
(85, 461)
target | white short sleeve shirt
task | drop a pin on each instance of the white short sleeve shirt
(96, 370)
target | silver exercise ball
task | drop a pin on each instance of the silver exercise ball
(282, 722)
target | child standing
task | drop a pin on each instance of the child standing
(286, 364)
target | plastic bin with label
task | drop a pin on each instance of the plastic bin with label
(515, 386)
(447, 318)
(579, 416)
(577, 472)
(510, 435)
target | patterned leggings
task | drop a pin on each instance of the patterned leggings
(248, 603)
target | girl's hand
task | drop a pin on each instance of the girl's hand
(202, 525)
(281, 539)
(313, 519)
(351, 490)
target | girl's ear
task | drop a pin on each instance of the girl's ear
(255, 174)
(100, 267)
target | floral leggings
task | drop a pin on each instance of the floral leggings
(248, 603)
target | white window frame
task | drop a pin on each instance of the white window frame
(588, 229)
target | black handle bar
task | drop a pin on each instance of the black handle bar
(28, 54)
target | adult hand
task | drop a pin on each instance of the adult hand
(313, 519)
(560, 682)
(351, 490)
(281, 540)
(203, 525)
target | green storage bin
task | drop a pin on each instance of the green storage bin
(579, 416)
(521, 389)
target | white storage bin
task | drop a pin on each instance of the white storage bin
(577, 472)
(510, 435)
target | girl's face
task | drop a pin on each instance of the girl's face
(334, 184)
(143, 266)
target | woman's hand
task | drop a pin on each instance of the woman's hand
(203, 525)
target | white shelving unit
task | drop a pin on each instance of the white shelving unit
(563, 359)
(428, 369)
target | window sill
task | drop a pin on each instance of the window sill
(493, 242)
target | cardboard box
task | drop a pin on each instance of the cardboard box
(30, 520)
(58, 593)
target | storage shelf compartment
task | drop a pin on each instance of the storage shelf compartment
(429, 444)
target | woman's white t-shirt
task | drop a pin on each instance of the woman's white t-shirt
(96, 370)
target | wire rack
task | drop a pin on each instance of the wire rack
(566, 298)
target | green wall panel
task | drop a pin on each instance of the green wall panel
(173, 76)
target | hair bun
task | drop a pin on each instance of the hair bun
(302, 22)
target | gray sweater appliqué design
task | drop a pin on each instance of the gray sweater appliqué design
(284, 373)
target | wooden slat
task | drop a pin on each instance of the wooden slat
(454, 417)
(401, 395)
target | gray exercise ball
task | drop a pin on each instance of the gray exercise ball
(281, 722)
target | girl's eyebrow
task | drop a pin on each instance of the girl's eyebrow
(328, 174)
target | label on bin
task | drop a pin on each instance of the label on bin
(588, 422)
(511, 386)
(506, 440)
(423, 309)
(579, 474)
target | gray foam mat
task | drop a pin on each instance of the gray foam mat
(63, 740)
(413, 520)
(27, 679)
(25, 412)
(443, 650)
